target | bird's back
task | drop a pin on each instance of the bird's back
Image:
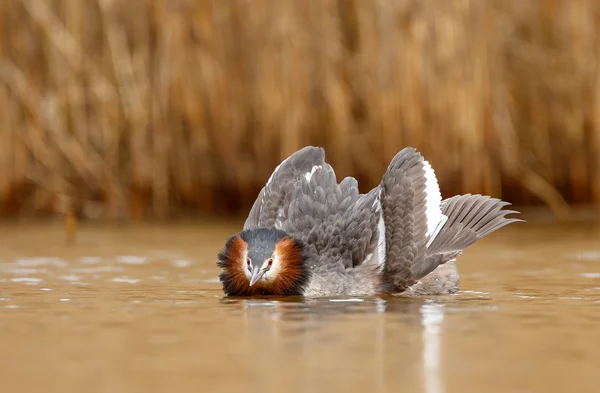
(304, 199)
(383, 241)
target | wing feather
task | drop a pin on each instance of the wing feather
(270, 208)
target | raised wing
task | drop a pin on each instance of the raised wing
(410, 209)
(270, 208)
(317, 215)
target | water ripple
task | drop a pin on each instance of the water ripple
(132, 259)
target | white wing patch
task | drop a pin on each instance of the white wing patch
(378, 257)
(435, 218)
(381, 239)
(308, 175)
(437, 230)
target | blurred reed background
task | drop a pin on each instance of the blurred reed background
(158, 109)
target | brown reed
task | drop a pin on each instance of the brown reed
(150, 108)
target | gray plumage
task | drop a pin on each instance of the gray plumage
(391, 239)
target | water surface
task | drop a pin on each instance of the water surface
(140, 309)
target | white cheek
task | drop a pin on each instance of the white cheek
(245, 266)
(271, 274)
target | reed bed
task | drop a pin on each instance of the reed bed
(157, 109)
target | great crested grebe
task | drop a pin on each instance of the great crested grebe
(308, 235)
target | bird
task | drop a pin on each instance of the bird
(308, 235)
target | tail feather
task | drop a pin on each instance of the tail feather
(470, 218)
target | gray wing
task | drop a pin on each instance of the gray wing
(470, 218)
(270, 208)
(389, 227)
(364, 234)
(318, 213)
(406, 192)
(303, 198)
(421, 231)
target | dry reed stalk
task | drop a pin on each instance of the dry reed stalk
(153, 108)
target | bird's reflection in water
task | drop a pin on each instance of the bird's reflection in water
(432, 317)
(407, 310)
(307, 315)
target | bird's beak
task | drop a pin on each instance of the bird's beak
(256, 275)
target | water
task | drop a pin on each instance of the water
(139, 309)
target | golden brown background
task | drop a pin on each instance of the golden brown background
(162, 109)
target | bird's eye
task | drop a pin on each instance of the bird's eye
(248, 262)
(270, 262)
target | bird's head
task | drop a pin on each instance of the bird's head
(263, 261)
